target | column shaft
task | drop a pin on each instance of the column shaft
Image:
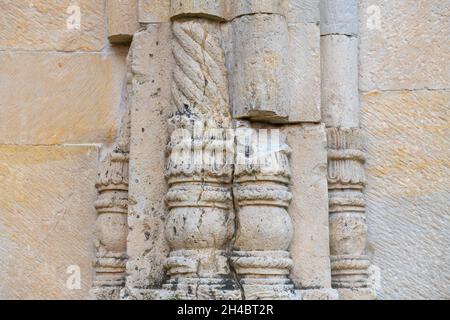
(346, 177)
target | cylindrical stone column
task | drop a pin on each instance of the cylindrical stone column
(259, 88)
(111, 226)
(200, 222)
(346, 177)
(261, 258)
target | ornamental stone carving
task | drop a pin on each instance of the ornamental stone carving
(111, 226)
(346, 176)
(200, 222)
(260, 256)
(348, 227)
(111, 230)
(224, 226)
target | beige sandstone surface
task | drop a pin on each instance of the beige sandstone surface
(411, 49)
(408, 143)
(54, 98)
(41, 25)
(61, 104)
(47, 209)
(404, 79)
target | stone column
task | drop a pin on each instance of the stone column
(111, 226)
(200, 223)
(260, 95)
(261, 258)
(122, 20)
(346, 177)
(260, 91)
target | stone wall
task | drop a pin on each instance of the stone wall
(61, 94)
(62, 101)
(405, 96)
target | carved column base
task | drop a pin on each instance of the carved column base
(319, 294)
(200, 289)
(349, 271)
(357, 294)
(264, 274)
(110, 276)
(269, 289)
(201, 274)
(105, 293)
(187, 289)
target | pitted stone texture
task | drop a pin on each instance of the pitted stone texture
(407, 195)
(411, 49)
(55, 98)
(154, 11)
(43, 25)
(309, 207)
(122, 20)
(150, 108)
(319, 294)
(47, 219)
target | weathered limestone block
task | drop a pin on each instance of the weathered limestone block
(122, 20)
(53, 25)
(260, 254)
(407, 193)
(340, 96)
(319, 294)
(150, 106)
(303, 76)
(212, 9)
(156, 11)
(309, 208)
(303, 11)
(238, 8)
(259, 68)
(404, 44)
(56, 98)
(46, 222)
(357, 294)
(339, 17)
(153, 11)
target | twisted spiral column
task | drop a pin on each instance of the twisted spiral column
(200, 223)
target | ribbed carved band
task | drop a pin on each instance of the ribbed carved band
(348, 226)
